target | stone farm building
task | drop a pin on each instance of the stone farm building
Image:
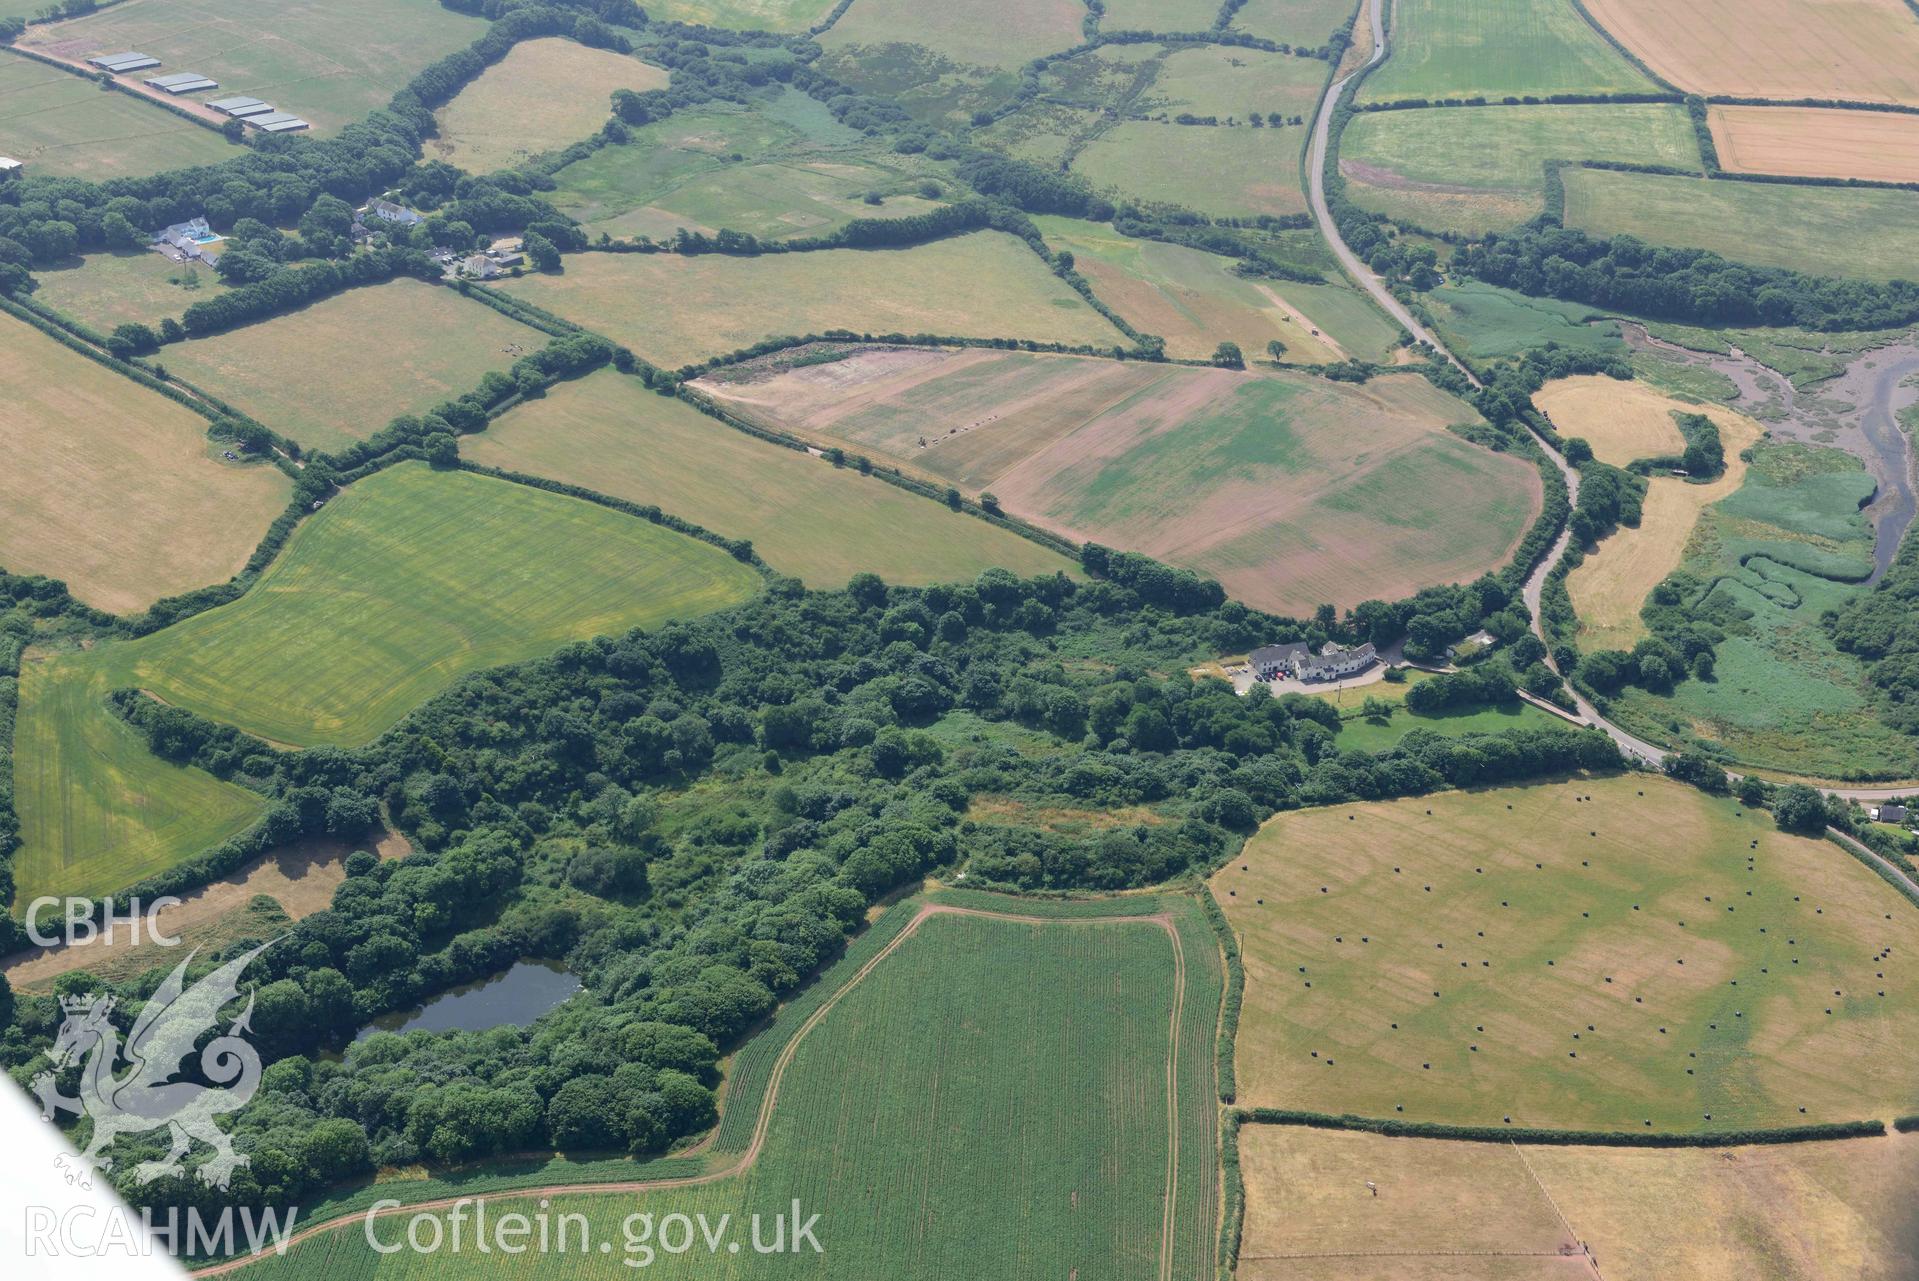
(1276, 662)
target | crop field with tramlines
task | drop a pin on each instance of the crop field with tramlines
(393, 591)
(1075, 1107)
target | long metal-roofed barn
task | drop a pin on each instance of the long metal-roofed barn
(277, 122)
(181, 82)
(241, 106)
(122, 62)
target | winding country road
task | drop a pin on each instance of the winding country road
(1535, 586)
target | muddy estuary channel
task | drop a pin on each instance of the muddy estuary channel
(1857, 411)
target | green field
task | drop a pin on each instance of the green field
(1486, 321)
(1594, 954)
(984, 33)
(1787, 546)
(1225, 172)
(329, 61)
(674, 310)
(721, 167)
(1218, 80)
(344, 367)
(743, 15)
(1471, 171)
(1303, 23)
(397, 587)
(1195, 301)
(67, 126)
(109, 289)
(1492, 48)
(1159, 15)
(806, 517)
(1824, 231)
(926, 1094)
(1362, 734)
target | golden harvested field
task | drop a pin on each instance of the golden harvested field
(674, 309)
(1624, 421)
(1816, 142)
(1832, 1211)
(1862, 50)
(544, 95)
(340, 370)
(1618, 953)
(1290, 490)
(1620, 420)
(808, 518)
(300, 877)
(115, 488)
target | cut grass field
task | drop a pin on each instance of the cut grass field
(1486, 321)
(544, 95)
(743, 15)
(1492, 48)
(1832, 1211)
(343, 368)
(1470, 171)
(114, 488)
(1862, 50)
(1189, 297)
(1869, 233)
(1092, 1136)
(681, 172)
(987, 33)
(820, 523)
(1159, 15)
(1223, 81)
(104, 290)
(397, 587)
(1618, 960)
(328, 61)
(1357, 733)
(1611, 585)
(1225, 172)
(1817, 142)
(1305, 24)
(64, 125)
(1783, 549)
(675, 310)
(1255, 479)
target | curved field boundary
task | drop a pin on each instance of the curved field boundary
(906, 921)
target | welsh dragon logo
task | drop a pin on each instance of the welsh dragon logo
(144, 1096)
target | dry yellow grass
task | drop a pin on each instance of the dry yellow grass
(1799, 1212)
(114, 488)
(1611, 585)
(543, 95)
(1863, 50)
(1620, 420)
(300, 877)
(1815, 142)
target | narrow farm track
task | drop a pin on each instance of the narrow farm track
(763, 1120)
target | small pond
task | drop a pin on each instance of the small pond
(516, 996)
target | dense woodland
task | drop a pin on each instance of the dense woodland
(695, 818)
